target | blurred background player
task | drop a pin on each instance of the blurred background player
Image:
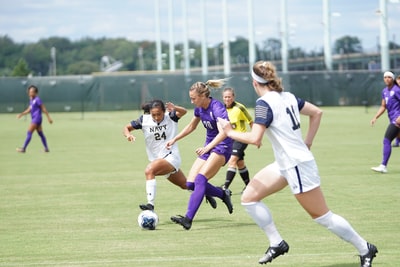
(36, 108)
(239, 117)
(212, 156)
(159, 123)
(390, 102)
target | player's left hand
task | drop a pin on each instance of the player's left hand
(201, 151)
(169, 106)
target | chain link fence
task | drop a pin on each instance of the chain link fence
(128, 91)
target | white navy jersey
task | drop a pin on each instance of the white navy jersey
(280, 113)
(158, 134)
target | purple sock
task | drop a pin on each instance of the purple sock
(41, 134)
(27, 140)
(197, 195)
(190, 186)
(387, 150)
(214, 191)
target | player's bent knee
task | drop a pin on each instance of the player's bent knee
(247, 197)
(149, 171)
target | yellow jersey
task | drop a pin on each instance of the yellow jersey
(239, 116)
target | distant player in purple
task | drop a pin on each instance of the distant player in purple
(36, 107)
(391, 103)
(397, 140)
(212, 156)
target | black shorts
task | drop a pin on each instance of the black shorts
(238, 149)
(391, 132)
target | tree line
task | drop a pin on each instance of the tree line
(61, 56)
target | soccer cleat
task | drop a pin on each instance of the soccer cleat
(366, 260)
(381, 168)
(46, 150)
(227, 200)
(147, 206)
(184, 221)
(211, 201)
(273, 252)
(20, 150)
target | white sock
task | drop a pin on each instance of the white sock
(342, 228)
(151, 190)
(263, 218)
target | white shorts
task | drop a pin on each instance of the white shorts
(303, 177)
(174, 160)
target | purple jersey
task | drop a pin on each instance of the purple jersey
(392, 100)
(209, 119)
(36, 110)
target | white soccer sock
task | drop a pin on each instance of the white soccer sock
(151, 190)
(342, 228)
(263, 218)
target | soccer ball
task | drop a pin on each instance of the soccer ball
(148, 220)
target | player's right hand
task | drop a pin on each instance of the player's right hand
(131, 138)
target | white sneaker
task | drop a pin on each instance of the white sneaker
(381, 168)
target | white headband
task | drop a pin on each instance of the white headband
(258, 78)
(388, 74)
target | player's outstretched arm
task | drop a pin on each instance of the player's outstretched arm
(23, 113)
(127, 133)
(185, 131)
(180, 111)
(380, 111)
(254, 137)
(44, 110)
(315, 114)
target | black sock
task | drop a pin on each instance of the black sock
(230, 174)
(244, 173)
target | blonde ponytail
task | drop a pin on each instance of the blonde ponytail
(204, 88)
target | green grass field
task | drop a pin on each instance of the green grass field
(78, 204)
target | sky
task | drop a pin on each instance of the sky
(26, 21)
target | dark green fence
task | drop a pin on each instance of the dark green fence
(127, 91)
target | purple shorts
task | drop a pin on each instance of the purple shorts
(37, 121)
(223, 149)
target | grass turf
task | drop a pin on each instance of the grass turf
(78, 204)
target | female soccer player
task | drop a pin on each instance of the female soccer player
(212, 156)
(36, 107)
(397, 140)
(391, 103)
(239, 118)
(277, 113)
(159, 124)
